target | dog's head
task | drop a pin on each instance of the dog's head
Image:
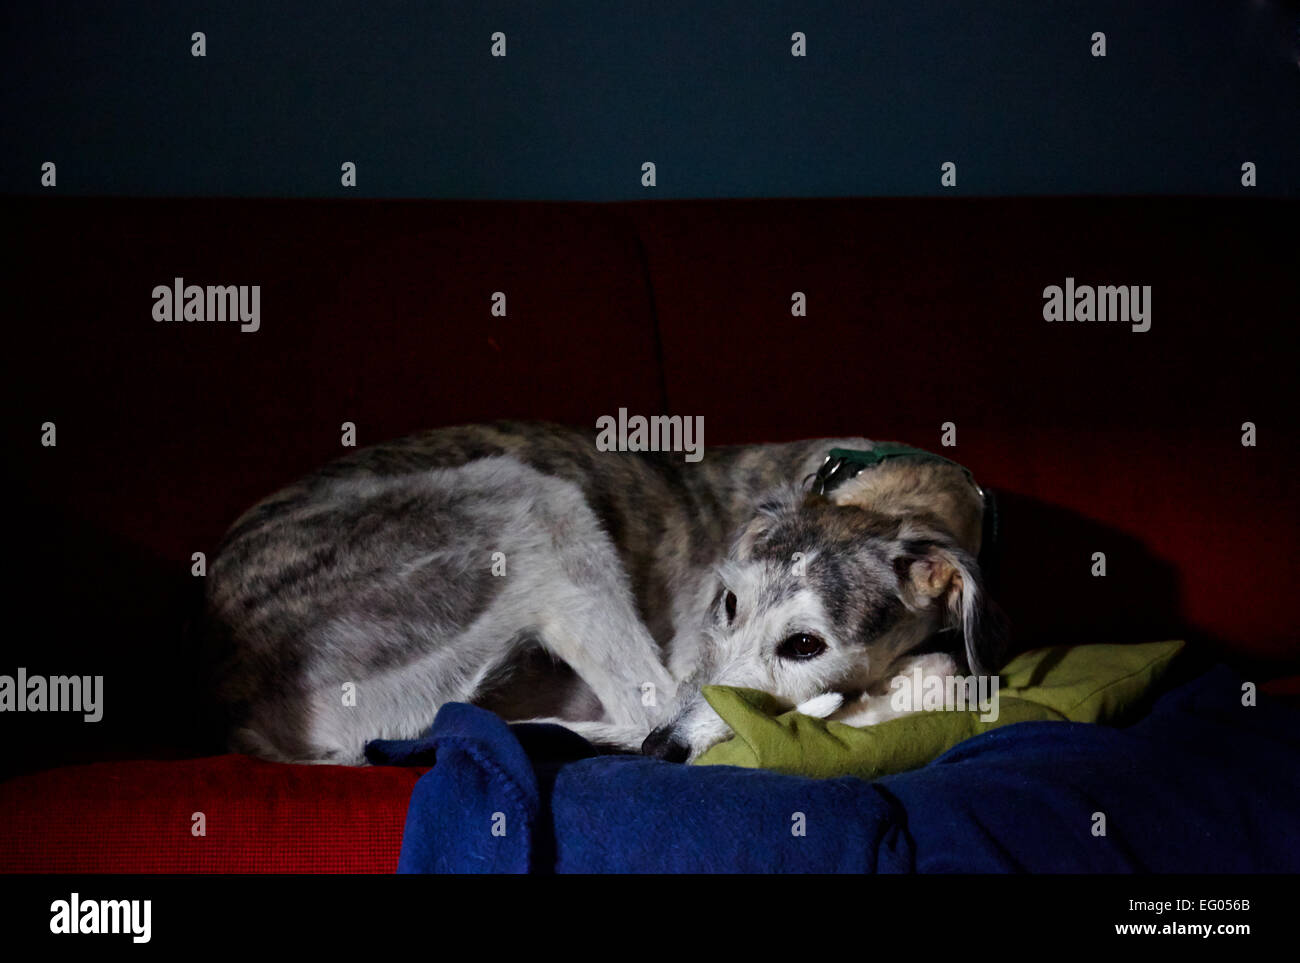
(826, 593)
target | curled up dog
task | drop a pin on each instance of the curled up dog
(518, 567)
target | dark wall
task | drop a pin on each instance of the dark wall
(589, 90)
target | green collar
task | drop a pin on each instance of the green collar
(845, 463)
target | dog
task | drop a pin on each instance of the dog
(517, 567)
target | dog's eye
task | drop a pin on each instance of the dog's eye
(729, 602)
(801, 646)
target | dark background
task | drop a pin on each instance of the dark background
(590, 89)
(922, 309)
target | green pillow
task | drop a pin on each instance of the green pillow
(1082, 683)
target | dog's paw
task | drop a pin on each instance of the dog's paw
(821, 706)
(932, 664)
(867, 711)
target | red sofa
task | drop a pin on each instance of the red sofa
(920, 312)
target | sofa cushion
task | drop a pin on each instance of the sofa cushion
(258, 817)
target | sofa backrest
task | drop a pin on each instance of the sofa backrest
(919, 312)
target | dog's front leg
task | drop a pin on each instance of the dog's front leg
(599, 635)
(570, 588)
(591, 622)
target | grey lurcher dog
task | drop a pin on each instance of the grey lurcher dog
(517, 567)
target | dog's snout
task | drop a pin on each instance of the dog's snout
(662, 744)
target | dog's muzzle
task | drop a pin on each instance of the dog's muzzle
(662, 744)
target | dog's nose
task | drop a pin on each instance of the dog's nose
(662, 744)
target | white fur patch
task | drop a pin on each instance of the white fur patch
(821, 706)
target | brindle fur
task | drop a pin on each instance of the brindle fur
(377, 572)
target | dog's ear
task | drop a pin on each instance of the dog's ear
(778, 503)
(949, 576)
(908, 488)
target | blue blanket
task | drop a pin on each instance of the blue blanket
(1201, 784)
